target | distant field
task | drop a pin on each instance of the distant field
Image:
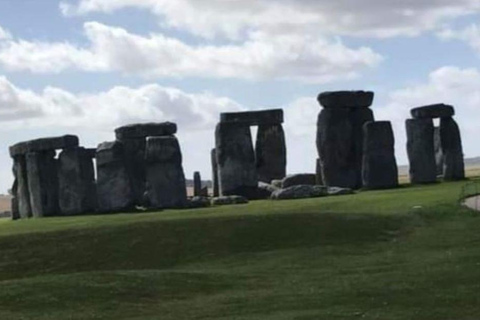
(409, 253)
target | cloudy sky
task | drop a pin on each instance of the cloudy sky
(88, 66)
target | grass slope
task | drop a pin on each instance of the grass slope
(370, 255)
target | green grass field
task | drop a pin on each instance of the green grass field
(410, 253)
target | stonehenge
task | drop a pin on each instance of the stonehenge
(434, 151)
(143, 167)
(240, 166)
(340, 136)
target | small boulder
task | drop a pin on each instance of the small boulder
(276, 183)
(228, 200)
(299, 179)
(300, 192)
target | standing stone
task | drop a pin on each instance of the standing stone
(114, 192)
(216, 191)
(358, 118)
(76, 178)
(379, 165)
(21, 192)
(452, 149)
(271, 153)
(334, 144)
(43, 183)
(439, 157)
(134, 156)
(197, 184)
(421, 152)
(166, 187)
(236, 160)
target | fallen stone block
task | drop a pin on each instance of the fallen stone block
(228, 200)
(300, 192)
(299, 179)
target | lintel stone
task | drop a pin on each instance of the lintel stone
(346, 99)
(44, 144)
(253, 118)
(143, 130)
(439, 110)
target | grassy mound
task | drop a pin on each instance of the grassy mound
(410, 253)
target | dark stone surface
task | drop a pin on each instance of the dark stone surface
(76, 178)
(216, 189)
(237, 172)
(144, 130)
(197, 184)
(340, 145)
(452, 148)
(20, 189)
(346, 99)
(44, 144)
(421, 152)
(42, 173)
(15, 211)
(134, 156)
(166, 186)
(265, 190)
(318, 173)
(439, 157)
(271, 153)
(198, 202)
(380, 169)
(299, 179)
(114, 192)
(300, 192)
(433, 111)
(253, 118)
(229, 200)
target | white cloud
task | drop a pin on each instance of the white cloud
(450, 85)
(469, 35)
(4, 34)
(109, 109)
(232, 18)
(298, 57)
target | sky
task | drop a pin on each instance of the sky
(86, 67)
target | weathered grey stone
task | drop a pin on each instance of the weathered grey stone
(433, 111)
(265, 190)
(166, 186)
(204, 192)
(15, 211)
(318, 173)
(380, 169)
(439, 157)
(346, 99)
(299, 179)
(337, 191)
(216, 189)
(198, 202)
(277, 183)
(76, 178)
(421, 153)
(300, 192)
(134, 157)
(253, 118)
(271, 153)
(42, 179)
(340, 145)
(452, 149)
(114, 192)
(144, 130)
(228, 200)
(197, 184)
(44, 144)
(237, 172)
(20, 189)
